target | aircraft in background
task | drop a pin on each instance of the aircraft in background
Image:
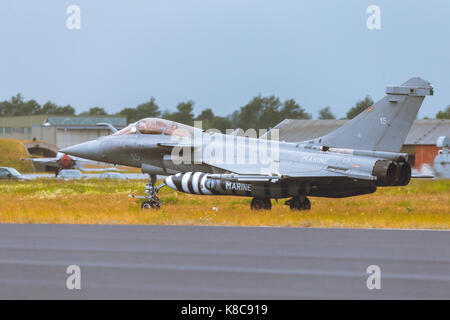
(440, 168)
(441, 162)
(353, 160)
(63, 161)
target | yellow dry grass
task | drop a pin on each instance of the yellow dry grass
(422, 204)
(10, 153)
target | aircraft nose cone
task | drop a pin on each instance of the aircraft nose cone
(87, 150)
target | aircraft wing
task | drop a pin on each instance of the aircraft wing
(56, 162)
(263, 177)
(289, 164)
(80, 167)
(53, 161)
(290, 170)
(422, 176)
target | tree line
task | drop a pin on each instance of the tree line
(260, 112)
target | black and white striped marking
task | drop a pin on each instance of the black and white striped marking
(190, 182)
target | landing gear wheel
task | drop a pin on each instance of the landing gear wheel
(150, 205)
(146, 205)
(152, 199)
(261, 204)
(306, 204)
(268, 204)
(299, 203)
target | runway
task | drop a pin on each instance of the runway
(186, 262)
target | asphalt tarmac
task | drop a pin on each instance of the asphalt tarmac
(186, 262)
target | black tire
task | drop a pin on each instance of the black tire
(300, 203)
(156, 206)
(306, 204)
(146, 205)
(268, 204)
(150, 205)
(260, 204)
(294, 204)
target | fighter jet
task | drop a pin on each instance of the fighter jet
(63, 161)
(442, 160)
(353, 160)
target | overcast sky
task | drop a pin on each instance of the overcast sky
(221, 53)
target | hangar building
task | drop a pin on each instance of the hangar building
(51, 133)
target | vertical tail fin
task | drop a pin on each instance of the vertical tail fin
(385, 125)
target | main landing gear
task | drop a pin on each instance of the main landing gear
(153, 201)
(296, 203)
(299, 203)
(261, 204)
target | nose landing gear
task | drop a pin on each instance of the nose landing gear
(153, 201)
(299, 203)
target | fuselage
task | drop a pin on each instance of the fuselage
(302, 165)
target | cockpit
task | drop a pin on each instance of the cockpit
(158, 126)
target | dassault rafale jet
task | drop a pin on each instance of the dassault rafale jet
(63, 161)
(353, 160)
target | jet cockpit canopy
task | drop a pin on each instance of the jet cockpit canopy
(158, 126)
